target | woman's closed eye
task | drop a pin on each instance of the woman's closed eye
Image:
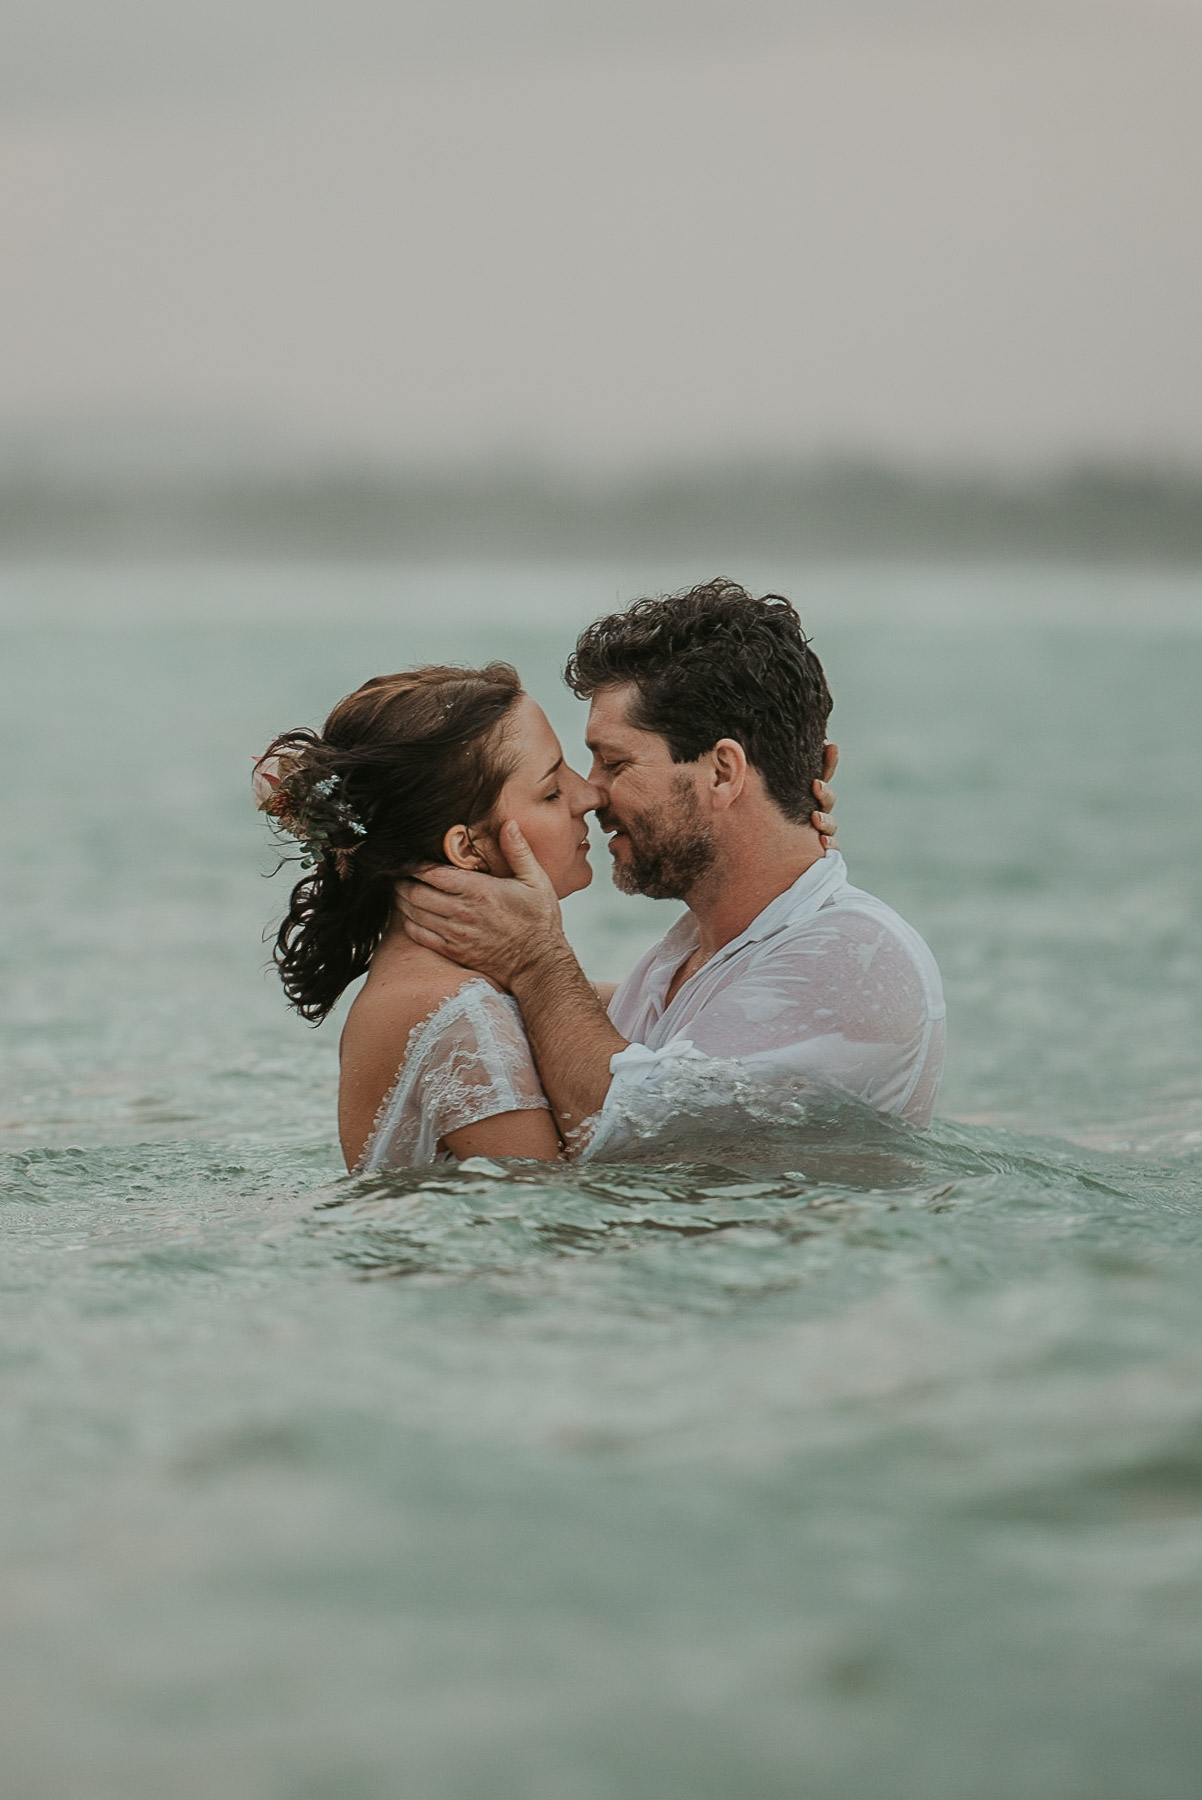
(557, 795)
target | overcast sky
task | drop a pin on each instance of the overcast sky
(609, 232)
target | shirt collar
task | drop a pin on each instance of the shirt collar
(800, 901)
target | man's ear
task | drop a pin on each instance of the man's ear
(463, 851)
(729, 773)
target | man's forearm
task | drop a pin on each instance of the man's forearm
(570, 1035)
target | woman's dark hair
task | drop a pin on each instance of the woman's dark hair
(715, 662)
(396, 765)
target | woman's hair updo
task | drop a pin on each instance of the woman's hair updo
(396, 765)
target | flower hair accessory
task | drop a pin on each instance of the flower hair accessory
(310, 813)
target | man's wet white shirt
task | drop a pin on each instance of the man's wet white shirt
(827, 986)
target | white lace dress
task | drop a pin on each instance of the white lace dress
(468, 1061)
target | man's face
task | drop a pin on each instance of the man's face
(662, 842)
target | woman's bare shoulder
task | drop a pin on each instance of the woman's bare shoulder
(398, 996)
(401, 991)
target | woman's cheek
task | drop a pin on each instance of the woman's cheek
(542, 843)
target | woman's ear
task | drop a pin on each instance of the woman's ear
(463, 851)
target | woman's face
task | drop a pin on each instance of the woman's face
(548, 800)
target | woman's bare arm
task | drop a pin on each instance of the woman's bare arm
(530, 1134)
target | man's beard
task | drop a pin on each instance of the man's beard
(668, 851)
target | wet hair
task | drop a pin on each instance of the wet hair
(714, 662)
(395, 766)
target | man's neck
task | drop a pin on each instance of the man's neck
(747, 877)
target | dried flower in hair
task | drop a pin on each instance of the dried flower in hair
(309, 813)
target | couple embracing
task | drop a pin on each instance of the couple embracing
(442, 826)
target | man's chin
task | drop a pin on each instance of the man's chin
(624, 877)
(630, 878)
(660, 878)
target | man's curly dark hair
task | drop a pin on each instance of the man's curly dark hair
(714, 662)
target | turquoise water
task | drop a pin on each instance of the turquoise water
(823, 1460)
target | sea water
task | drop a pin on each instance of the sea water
(810, 1457)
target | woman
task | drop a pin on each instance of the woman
(417, 768)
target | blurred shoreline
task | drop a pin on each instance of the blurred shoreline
(810, 510)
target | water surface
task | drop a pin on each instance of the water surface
(824, 1459)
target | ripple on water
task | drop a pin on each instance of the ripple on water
(706, 1456)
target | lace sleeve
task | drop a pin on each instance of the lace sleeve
(468, 1061)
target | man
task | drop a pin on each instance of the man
(707, 730)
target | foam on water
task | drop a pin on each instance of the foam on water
(807, 1455)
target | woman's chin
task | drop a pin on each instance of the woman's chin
(574, 881)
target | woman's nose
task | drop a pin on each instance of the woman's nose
(586, 797)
